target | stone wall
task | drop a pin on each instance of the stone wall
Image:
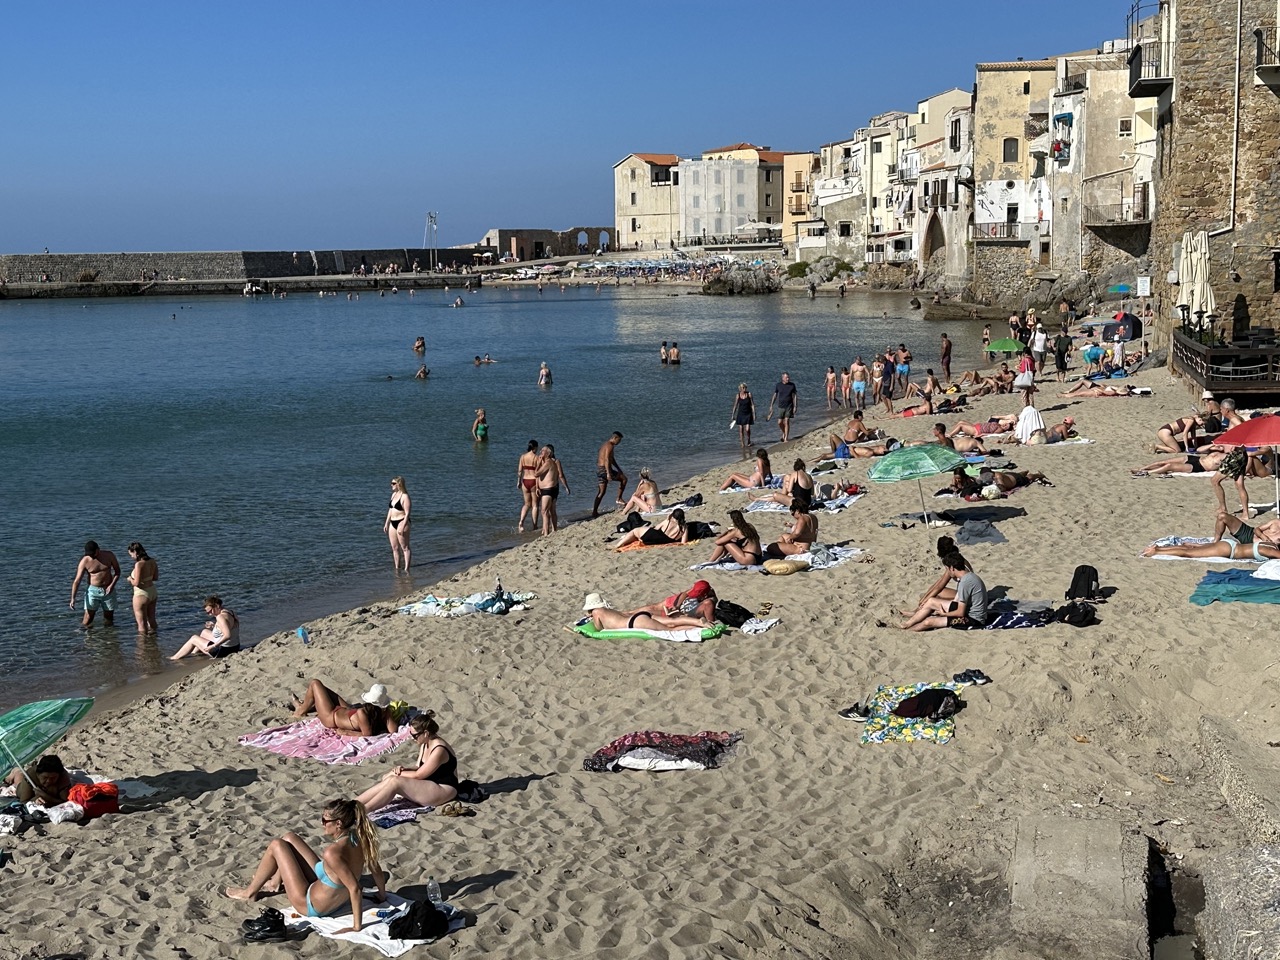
(1104, 249)
(1000, 272)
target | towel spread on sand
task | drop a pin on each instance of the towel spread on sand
(758, 625)
(1192, 542)
(708, 749)
(728, 566)
(883, 725)
(637, 545)
(691, 635)
(827, 557)
(313, 740)
(979, 531)
(834, 505)
(1227, 586)
(399, 810)
(373, 932)
(1071, 442)
(487, 602)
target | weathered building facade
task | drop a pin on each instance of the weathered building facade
(646, 200)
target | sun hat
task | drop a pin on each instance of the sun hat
(1207, 395)
(377, 695)
(699, 590)
(593, 601)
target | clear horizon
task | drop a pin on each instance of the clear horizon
(158, 127)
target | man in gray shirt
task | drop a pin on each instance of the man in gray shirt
(964, 608)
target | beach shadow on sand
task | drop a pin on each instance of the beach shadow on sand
(514, 784)
(461, 887)
(188, 785)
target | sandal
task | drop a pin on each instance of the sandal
(455, 809)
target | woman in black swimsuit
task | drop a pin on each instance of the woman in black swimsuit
(741, 543)
(550, 476)
(432, 782)
(671, 530)
(396, 525)
(606, 618)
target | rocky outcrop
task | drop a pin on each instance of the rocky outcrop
(741, 279)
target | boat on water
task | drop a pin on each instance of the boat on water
(959, 310)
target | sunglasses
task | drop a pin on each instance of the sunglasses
(325, 820)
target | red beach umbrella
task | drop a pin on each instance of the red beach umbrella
(1261, 431)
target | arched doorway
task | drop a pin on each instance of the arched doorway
(934, 239)
(604, 240)
(582, 240)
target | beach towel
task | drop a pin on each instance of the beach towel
(775, 483)
(311, 739)
(708, 749)
(373, 932)
(834, 505)
(1229, 586)
(758, 625)
(637, 545)
(691, 635)
(397, 811)
(1190, 542)
(883, 725)
(729, 566)
(979, 531)
(1070, 442)
(486, 602)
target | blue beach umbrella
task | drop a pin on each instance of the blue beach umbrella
(26, 731)
(1119, 288)
(915, 463)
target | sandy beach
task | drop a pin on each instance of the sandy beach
(806, 843)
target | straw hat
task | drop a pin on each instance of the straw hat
(593, 601)
(377, 695)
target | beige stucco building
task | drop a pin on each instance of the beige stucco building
(646, 200)
(798, 170)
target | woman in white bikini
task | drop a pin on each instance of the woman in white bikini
(143, 577)
(646, 498)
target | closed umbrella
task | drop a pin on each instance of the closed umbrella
(26, 731)
(1261, 431)
(914, 463)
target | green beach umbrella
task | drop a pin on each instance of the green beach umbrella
(914, 463)
(26, 731)
(1007, 344)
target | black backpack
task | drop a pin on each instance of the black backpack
(633, 520)
(1078, 613)
(422, 921)
(700, 529)
(1084, 584)
(732, 614)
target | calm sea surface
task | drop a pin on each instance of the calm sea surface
(249, 444)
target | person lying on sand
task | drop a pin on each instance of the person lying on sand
(961, 608)
(1008, 480)
(698, 601)
(797, 487)
(740, 543)
(1061, 431)
(434, 781)
(978, 429)
(798, 538)
(52, 782)
(1087, 388)
(760, 477)
(604, 617)
(1183, 463)
(671, 530)
(1233, 539)
(324, 884)
(372, 715)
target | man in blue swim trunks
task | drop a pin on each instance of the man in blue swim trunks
(902, 369)
(103, 570)
(860, 375)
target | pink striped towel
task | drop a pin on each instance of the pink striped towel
(312, 739)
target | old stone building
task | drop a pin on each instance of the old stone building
(1213, 68)
(646, 200)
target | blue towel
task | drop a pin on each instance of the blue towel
(1235, 585)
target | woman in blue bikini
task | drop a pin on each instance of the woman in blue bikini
(323, 885)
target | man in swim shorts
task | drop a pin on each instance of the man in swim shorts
(103, 570)
(860, 375)
(607, 469)
(784, 395)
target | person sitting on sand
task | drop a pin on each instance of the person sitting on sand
(324, 884)
(371, 716)
(671, 530)
(961, 608)
(46, 781)
(925, 389)
(797, 487)
(856, 432)
(977, 430)
(433, 782)
(646, 498)
(1178, 435)
(740, 543)
(220, 636)
(698, 601)
(1233, 539)
(604, 617)
(762, 476)
(798, 538)
(1087, 388)
(1207, 462)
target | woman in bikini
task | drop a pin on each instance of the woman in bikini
(1087, 388)
(846, 387)
(324, 884)
(877, 379)
(1233, 539)
(371, 716)
(741, 543)
(672, 530)
(606, 618)
(434, 781)
(646, 498)
(550, 476)
(1178, 436)
(527, 482)
(761, 477)
(396, 524)
(831, 388)
(1186, 463)
(144, 575)
(220, 636)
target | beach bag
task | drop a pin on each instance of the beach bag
(632, 521)
(700, 530)
(936, 703)
(1084, 584)
(1078, 613)
(1024, 381)
(422, 921)
(1234, 464)
(694, 501)
(95, 798)
(732, 614)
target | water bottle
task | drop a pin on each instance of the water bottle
(433, 891)
(497, 584)
(304, 635)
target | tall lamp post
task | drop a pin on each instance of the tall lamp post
(431, 225)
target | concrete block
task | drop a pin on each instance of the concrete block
(1241, 916)
(1250, 777)
(1081, 885)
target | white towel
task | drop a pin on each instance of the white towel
(1029, 421)
(373, 932)
(756, 625)
(691, 635)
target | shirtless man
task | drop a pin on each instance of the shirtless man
(960, 444)
(1060, 431)
(861, 376)
(946, 357)
(103, 570)
(607, 469)
(926, 390)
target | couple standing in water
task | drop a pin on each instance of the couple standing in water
(670, 357)
(539, 476)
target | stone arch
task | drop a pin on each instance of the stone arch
(934, 239)
(605, 240)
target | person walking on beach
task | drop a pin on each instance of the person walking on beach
(607, 469)
(143, 577)
(397, 522)
(103, 570)
(527, 481)
(846, 388)
(1062, 350)
(946, 358)
(833, 397)
(744, 414)
(788, 402)
(986, 342)
(550, 477)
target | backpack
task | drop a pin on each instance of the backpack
(633, 520)
(422, 921)
(1234, 464)
(936, 703)
(700, 530)
(1078, 613)
(471, 792)
(732, 614)
(1084, 584)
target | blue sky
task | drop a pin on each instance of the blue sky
(182, 126)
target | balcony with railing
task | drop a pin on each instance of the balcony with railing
(797, 208)
(1074, 83)
(1267, 64)
(799, 186)
(1001, 231)
(1150, 72)
(1134, 212)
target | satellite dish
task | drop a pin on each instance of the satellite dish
(966, 172)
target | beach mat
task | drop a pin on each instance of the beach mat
(1234, 586)
(637, 545)
(884, 726)
(691, 635)
(312, 740)
(373, 933)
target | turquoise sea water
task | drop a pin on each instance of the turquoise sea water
(249, 444)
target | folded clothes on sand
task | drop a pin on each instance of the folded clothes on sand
(373, 932)
(487, 602)
(757, 625)
(397, 811)
(1227, 586)
(691, 635)
(834, 505)
(707, 750)
(313, 740)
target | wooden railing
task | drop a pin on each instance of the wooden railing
(1228, 369)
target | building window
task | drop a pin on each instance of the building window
(955, 192)
(633, 173)
(1065, 204)
(1010, 149)
(875, 202)
(768, 176)
(717, 177)
(741, 200)
(768, 199)
(875, 146)
(695, 179)
(1044, 253)
(848, 152)
(675, 178)
(697, 202)
(633, 198)
(635, 224)
(1125, 128)
(845, 228)
(1026, 87)
(1011, 213)
(741, 175)
(922, 117)
(955, 136)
